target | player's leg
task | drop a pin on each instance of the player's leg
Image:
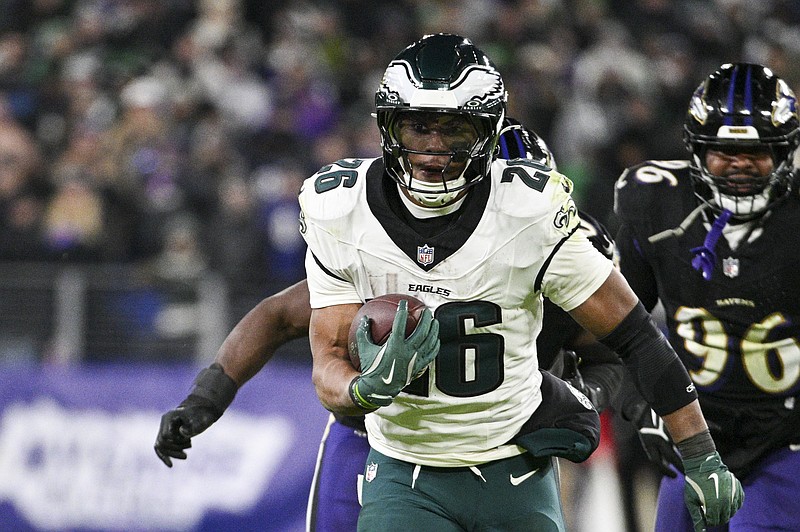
(519, 493)
(771, 490)
(671, 511)
(392, 501)
(333, 503)
(769, 503)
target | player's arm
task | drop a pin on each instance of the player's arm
(332, 370)
(249, 346)
(272, 323)
(593, 369)
(635, 268)
(615, 315)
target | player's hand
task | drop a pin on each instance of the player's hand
(571, 374)
(712, 493)
(657, 444)
(179, 426)
(388, 368)
(212, 392)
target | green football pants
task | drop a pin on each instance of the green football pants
(514, 494)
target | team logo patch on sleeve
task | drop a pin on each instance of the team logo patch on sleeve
(425, 254)
(587, 404)
(565, 215)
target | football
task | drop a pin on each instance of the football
(381, 311)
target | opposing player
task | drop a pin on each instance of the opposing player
(715, 239)
(333, 504)
(469, 444)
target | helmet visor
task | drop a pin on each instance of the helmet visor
(435, 132)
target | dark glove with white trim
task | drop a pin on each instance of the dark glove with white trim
(657, 444)
(213, 391)
(390, 367)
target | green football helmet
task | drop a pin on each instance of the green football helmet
(441, 73)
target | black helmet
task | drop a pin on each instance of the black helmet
(742, 105)
(441, 73)
(518, 142)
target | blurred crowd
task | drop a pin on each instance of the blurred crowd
(175, 133)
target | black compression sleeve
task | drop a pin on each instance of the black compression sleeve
(657, 371)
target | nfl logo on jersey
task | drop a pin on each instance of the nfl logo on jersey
(372, 471)
(425, 255)
(730, 267)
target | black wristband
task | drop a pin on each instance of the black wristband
(700, 444)
(215, 386)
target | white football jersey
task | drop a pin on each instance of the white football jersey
(483, 277)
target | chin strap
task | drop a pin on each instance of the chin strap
(704, 256)
(681, 229)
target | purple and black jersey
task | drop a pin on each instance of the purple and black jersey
(737, 332)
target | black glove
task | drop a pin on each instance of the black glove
(212, 393)
(571, 374)
(657, 444)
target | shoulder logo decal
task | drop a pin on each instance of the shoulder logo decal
(565, 215)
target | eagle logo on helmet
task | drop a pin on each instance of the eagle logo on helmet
(447, 74)
(476, 87)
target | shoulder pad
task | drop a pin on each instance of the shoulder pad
(335, 190)
(646, 186)
(526, 188)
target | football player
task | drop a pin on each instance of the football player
(713, 238)
(470, 443)
(333, 502)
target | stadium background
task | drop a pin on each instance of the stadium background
(150, 156)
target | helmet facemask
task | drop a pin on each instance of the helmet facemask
(465, 146)
(745, 198)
